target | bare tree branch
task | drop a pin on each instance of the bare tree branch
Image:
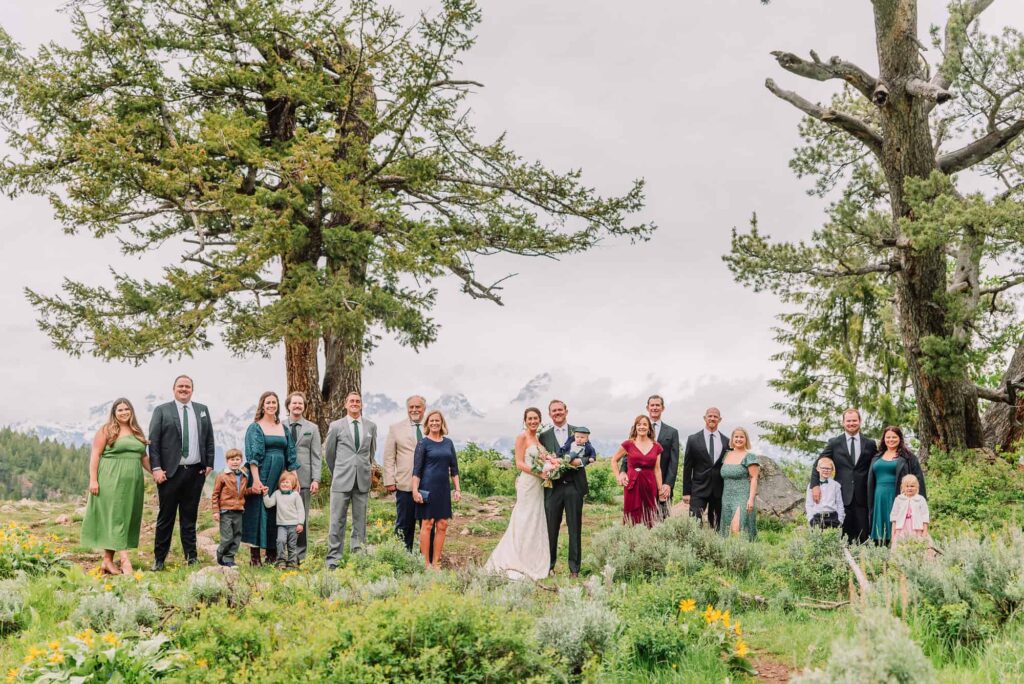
(928, 91)
(834, 68)
(845, 122)
(1010, 282)
(991, 394)
(981, 149)
(476, 289)
(450, 82)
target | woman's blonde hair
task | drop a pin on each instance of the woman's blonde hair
(444, 423)
(745, 435)
(112, 428)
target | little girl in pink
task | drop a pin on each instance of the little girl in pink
(909, 512)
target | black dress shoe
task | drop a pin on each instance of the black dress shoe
(192, 561)
(157, 566)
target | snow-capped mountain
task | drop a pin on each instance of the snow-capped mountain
(455, 406)
(380, 405)
(534, 389)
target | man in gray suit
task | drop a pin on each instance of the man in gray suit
(350, 446)
(305, 436)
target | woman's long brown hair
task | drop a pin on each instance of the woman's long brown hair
(113, 428)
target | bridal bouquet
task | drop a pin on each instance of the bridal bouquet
(550, 466)
(546, 465)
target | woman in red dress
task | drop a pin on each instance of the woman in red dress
(642, 479)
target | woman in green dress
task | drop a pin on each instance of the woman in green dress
(740, 470)
(268, 452)
(113, 514)
(884, 476)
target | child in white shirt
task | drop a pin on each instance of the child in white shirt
(829, 511)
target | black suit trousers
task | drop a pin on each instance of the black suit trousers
(405, 518)
(179, 496)
(711, 505)
(565, 498)
(855, 525)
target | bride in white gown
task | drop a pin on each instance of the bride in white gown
(523, 551)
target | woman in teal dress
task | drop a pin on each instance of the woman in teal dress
(113, 514)
(740, 471)
(268, 452)
(886, 471)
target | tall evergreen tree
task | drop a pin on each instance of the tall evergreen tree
(894, 143)
(315, 161)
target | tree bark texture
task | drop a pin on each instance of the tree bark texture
(947, 405)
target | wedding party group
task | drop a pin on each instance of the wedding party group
(262, 498)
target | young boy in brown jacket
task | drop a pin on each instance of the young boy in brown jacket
(229, 492)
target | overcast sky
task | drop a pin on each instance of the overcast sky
(669, 91)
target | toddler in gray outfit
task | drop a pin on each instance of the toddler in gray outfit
(290, 515)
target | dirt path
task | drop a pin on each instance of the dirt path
(772, 671)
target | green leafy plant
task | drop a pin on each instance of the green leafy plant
(89, 657)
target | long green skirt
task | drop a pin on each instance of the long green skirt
(114, 517)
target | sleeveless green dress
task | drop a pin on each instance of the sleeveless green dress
(735, 492)
(113, 518)
(885, 495)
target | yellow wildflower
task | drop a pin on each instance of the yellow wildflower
(54, 645)
(202, 662)
(12, 674)
(107, 586)
(34, 653)
(708, 613)
(741, 648)
(110, 638)
(736, 628)
(687, 605)
(725, 619)
(56, 658)
(137, 575)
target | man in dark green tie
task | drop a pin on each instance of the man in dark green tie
(399, 448)
(305, 435)
(181, 450)
(349, 449)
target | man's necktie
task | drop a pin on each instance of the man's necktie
(355, 433)
(184, 433)
(853, 451)
(419, 433)
(711, 446)
(295, 433)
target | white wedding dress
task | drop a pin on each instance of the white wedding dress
(523, 551)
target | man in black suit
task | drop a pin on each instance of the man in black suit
(565, 496)
(668, 437)
(851, 452)
(702, 469)
(181, 451)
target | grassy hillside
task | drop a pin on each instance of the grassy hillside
(676, 604)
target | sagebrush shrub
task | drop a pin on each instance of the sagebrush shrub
(209, 588)
(14, 611)
(813, 564)
(879, 652)
(576, 629)
(108, 612)
(601, 484)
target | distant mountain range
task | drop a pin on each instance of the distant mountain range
(467, 422)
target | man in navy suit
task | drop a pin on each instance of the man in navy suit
(851, 452)
(702, 469)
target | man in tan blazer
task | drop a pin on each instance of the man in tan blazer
(399, 448)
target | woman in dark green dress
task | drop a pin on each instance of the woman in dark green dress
(113, 514)
(268, 452)
(884, 476)
(740, 472)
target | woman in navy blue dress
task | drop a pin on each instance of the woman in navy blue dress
(433, 463)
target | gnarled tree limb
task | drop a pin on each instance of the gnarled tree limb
(979, 150)
(928, 91)
(991, 394)
(845, 122)
(834, 68)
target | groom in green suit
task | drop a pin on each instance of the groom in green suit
(565, 496)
